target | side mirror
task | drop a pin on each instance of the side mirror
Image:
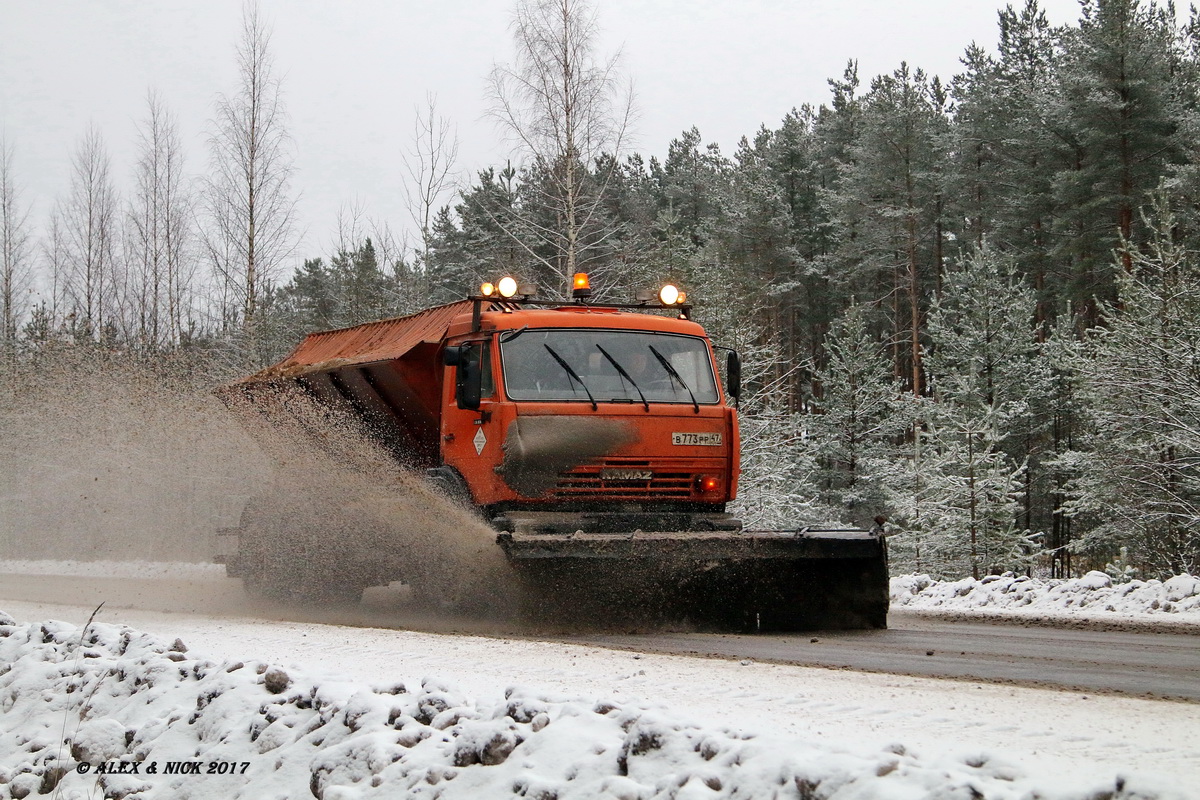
(469, 385)
(733, 375)
(452, 356)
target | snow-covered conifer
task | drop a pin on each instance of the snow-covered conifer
(860, 421)
(1139, 476)
(986, 378)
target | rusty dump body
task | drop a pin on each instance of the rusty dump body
(600, 444)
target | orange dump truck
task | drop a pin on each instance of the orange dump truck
(600, 443)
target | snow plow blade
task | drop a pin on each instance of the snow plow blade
(810, 579)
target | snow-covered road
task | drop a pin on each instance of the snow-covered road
(1150, 654)
(1057, 739)
(1057, 743)
(1142, 663)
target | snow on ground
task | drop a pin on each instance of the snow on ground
(114, 569)
(1092, 596)
(111, 695)
(496, 717)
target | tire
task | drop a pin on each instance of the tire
(279, 562)
(301, 585)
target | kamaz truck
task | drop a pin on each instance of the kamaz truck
(600, 443)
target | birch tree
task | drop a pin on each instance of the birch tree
(53, 247)
(16, 250)
(159, 239)
(429, 163)
(89, 227)
(248, 202)
(564, 107)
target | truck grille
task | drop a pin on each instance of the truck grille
(629, 479)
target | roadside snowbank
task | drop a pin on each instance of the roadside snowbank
(111, 694)
(1093, 594)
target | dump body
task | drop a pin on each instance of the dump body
(387, 373)
(598, 441)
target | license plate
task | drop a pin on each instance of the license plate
(626, 474)
(707, 439)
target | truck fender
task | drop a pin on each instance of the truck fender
(449, 481)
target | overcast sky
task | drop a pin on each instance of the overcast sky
(354, 71)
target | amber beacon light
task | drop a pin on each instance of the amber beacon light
(580, 287)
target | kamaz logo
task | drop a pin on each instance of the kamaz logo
(626, 474)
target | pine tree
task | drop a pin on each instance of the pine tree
(475, 241)
(983, 354)
(1120, 122)
(858, 421)
(793, 155)
(692, 183)
(970, 497)
(310, 299)
(987, 379)
(755, 243)
(1139, 473)
(888, 207)
(1006, 149)
(778, 488)
(362, 290)
(1066, 411)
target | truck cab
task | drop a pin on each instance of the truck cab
(580, 417)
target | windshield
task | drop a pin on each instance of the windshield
(603, 366)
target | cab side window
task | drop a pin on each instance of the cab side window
(488, 383)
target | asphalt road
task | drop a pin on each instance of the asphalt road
(1139, 662)
(1165, 665)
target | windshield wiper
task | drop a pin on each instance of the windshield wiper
(625, 375)
(571, 373)
(508, 336)
(671, 371)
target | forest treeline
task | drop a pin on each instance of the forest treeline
(969, 306)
